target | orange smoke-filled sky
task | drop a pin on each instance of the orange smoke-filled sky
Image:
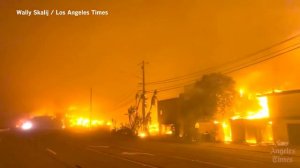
(48, 64)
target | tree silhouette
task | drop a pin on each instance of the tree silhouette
(213, 96)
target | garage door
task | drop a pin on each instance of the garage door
(294, 134)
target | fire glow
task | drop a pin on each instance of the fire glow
(227, 132)
(86, 122)
(262, 113)
(153, 129)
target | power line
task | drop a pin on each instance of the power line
(129, 98)
(263, 60)
(126, 103)
(192, 75)
(229, 69)
(297, 46)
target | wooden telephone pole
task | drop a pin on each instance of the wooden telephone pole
(143, 95)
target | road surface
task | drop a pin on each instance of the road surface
(65, 150)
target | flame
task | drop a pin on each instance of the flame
(251, 141)
(153, 129)
(236, 117)
(167, 130)
(142, 134)
(170, 132)
(263, 112)
(277, 91)
(242, 91)
(108, 123)
(82, 122)
(86, 122)
(216, 122)
(227, 132)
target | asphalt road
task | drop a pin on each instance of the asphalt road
(65, 150)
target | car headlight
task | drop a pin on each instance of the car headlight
(26, 125)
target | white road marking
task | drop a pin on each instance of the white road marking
(199, 161)
(136, 153)
(101, 146)
(248, 160)
(186, 159)
(50, 151)
(124, 159)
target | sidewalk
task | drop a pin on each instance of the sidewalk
(264, 148)
(4, 129)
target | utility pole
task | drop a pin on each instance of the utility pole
(143, 94)
(91, 108)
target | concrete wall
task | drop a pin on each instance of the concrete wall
(285, 105)
(284, 109)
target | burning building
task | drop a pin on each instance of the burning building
(169, 115)
(276, 119)
(252, 125)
